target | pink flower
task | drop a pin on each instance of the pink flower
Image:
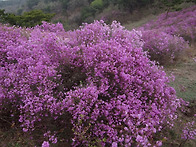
(45, 144)
(25, 130)
(114, 144)
(159, 143)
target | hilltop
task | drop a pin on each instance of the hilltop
(72, 13)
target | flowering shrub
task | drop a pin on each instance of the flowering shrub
(180, 23)
(57, 28)
(91, 86)
(164, 38)
(163, 47)
(45, 144)
(189, 131)
(10, 38)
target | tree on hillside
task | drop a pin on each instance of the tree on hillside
(171, 4)
(32, 18)
(31, 3)
(132, 4)
(2, 15)
(28, 19)
(65, 3)
(74, 4)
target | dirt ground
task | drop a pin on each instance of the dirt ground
(185, 86)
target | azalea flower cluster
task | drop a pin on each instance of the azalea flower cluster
(92, 86)
(170, 34)
(189, 131)
(163, 47)
(180, 23)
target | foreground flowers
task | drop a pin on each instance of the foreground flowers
(91, 86)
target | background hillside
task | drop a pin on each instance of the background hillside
(72, 13)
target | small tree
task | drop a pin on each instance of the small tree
(64, 3)
(170, 4)
(31, 3)
(97, 4)
(2, 16)
(32, 18)
(28, 19)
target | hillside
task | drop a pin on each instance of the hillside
(12, 6)
(72, 13)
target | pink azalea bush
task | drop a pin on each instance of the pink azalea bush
(179, 23)
(163, 47)
(164, 38)
(189, 131)
(92, 86)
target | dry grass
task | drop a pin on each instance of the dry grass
(141, 16)
(185, 75)
(185, 86)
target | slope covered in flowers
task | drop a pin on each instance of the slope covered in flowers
(91, 86)
(168, 37)
(180, 23)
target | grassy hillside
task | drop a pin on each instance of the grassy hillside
(72, 13)
(13, 6)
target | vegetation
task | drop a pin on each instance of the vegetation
(81, 80)
(28, 19)
(94, 86)
(72, 13)
(32, 3)
(99, 85)
(167, 38)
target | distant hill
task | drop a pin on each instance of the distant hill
(73, 13)
(12, 6)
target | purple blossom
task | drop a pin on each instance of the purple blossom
(168, 36)
(189, 131)
(45, 144)
(114, 144)
(163, 47)
(179, 23)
